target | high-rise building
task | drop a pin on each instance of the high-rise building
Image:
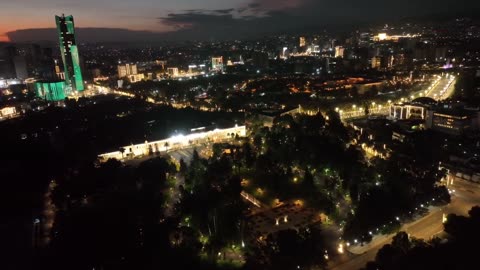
(302, 42)
(127, 70)
(339, 51)
(7, 68)
(20, 64)
(69, 52)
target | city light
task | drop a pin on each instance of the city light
(148, 115)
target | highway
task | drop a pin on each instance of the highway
(441, 88)
(466, 196)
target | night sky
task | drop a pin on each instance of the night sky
(205, 19)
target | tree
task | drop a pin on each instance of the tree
(289, 249)
(354, 92)
(217, 149)
(183, 166)
(166, 145)
(401, 241)
(308, 183)
(456, 253)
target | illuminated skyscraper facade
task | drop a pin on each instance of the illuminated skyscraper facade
(303, 42)
(51, 91)
(69, 52)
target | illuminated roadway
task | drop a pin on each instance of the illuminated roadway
(441, 88)
(466, 196)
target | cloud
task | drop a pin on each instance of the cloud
(262, 17)
(278, 4)
(224, 11)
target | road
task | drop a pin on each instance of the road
(443, 88)
(466, 196)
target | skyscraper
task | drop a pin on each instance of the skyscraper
(302, 42)
(69, 51)
(339, 51)
(20, 64)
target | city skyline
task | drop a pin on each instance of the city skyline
(212, 19)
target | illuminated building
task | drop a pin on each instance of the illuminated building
(51, 91)
(302, 42)
(172, 71)
(198, 136)
(381, 37)
(285, 53)
(69, 52)
(217, 63)
(339, 51)
(196, 69)
(136, 77)
(454, 122)
(58, 72)
(127, 70)
(376, 62)
(6, 112)
(130, 72)
(395, 38)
